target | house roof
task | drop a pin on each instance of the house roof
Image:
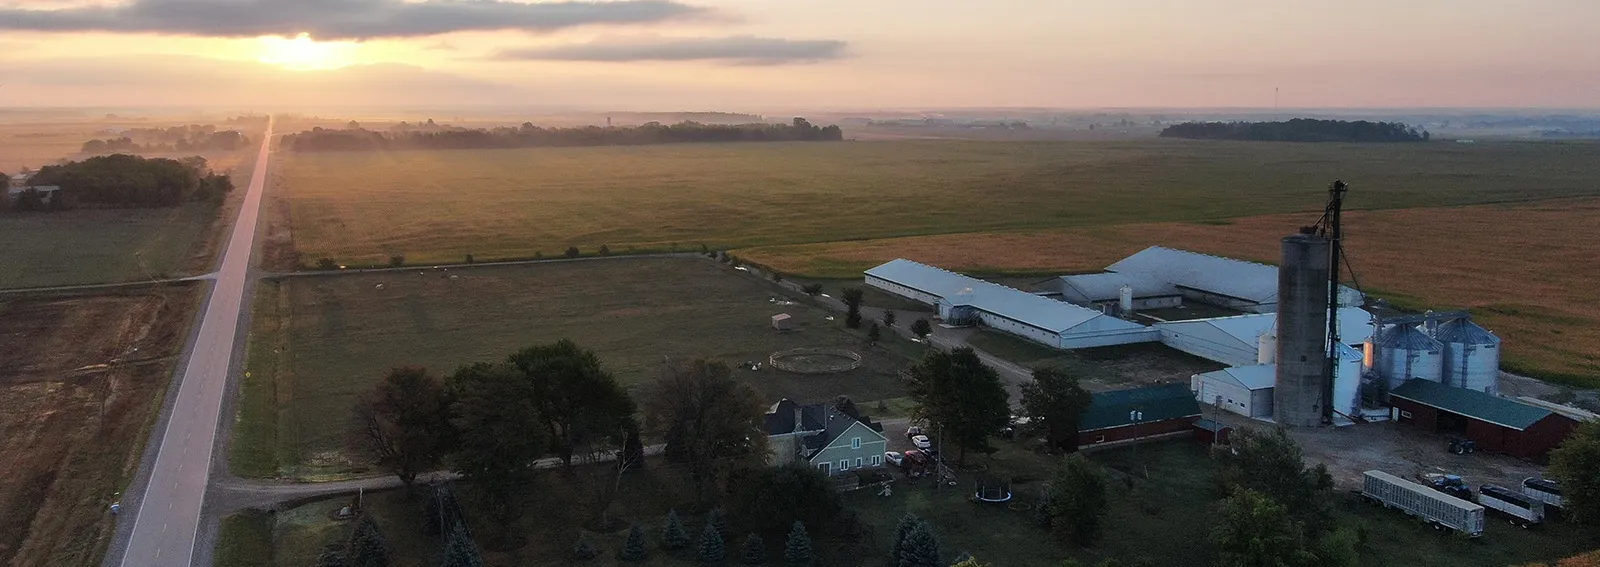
(1209, 425)
(1017, 305)
(837, 424)
(1252, 377)
(1471, 403)
(780, 418)
(1107, 286)
(1155, 403)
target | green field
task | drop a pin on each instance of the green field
(319, 341)
(439, 206)
(100, 245)
(1163, 506)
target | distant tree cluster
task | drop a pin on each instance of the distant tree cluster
(191, 138)
(433, 137)
(1298, 130)
(123, 180)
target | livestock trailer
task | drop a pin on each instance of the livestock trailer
(1543, 489)
(1520, 508)
(1437, 508)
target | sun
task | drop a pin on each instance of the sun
(305, 54)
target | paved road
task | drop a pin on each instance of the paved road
(168, 513)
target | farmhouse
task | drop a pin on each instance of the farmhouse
(960, 298)
(1157, 274)
(823, 437)
(1496, 424)
(1124, 416)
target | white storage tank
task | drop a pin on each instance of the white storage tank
(1347, 382)
(1471, 356)
(1267, 348)
(1404, 352)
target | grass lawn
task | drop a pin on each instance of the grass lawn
(319, 341)
(245, 540)
(1520, 267)
(100, 245)
(438, 206)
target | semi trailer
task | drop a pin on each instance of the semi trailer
(1440, 510)
(1519, 508)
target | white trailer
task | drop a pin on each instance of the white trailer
(1440, 510)
(1543, 490)
(1520, 508)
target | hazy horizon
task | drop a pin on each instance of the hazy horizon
(755, 55)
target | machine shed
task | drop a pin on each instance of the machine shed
(1498, 425)
(1244, 390)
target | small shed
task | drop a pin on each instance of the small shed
(1497, 425)
(1211, 432)
(782, 322)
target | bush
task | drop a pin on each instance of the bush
(469, 258)
(572, 252)
(397, 260)
(812, 289)
(874, 334)
(888, 317)
(327, 264)
(922, 328)
(605, 250)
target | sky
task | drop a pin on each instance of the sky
(753, 55)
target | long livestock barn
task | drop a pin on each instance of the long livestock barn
(957, 297)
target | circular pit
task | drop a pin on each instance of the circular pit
(815, 360)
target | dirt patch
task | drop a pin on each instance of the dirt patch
(79, 401)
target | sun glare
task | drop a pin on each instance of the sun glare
(305, 54)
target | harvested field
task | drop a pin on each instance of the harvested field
(79, 402)
(360, 208)
(1526, 270)
(318, 341)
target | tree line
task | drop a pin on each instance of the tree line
(432, 137)
(192, 138)
(122, 180)
(1298, 130)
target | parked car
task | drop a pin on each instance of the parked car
(916, 459)
(894, 458)
(913, 431)
(921, 442)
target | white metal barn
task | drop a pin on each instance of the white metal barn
(1054, 323)
(1236, 340)
(1105, 290)
(1214, 280)
(1244, 390)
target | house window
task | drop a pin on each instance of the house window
(823, 467)
(844, 465)
(858, 462)
(855, 442)
(1405, 414)
(876, 460)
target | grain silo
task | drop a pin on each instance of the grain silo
(1302, 388)
(1347, 382)
(1404, 352)
(1471, 356)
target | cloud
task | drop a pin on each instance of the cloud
(741, 50)
(339, 19)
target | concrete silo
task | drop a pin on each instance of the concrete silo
(1404, 352)
(1302, 389)
(1471, 356)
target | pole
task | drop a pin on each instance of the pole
(1336, 248)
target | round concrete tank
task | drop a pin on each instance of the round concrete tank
(1471, 356)
(1404, 352)
(1266, 348)
(1347, 382)
(1300, 395)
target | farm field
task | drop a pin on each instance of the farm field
(318, 341)
(1524, 269)
(1163, 503)
(360, 208)
(79, 402)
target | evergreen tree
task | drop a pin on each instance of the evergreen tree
(712, 549)
(459, 551)
(888, 317)
(797, 551)
(367, 546)
(852, 302)
(921, 548)
(874, 334)
(718, 520)
(673, 536)
(583, 550)
(908, 523)
(634, 549)
(755, 550)
(1041, 510)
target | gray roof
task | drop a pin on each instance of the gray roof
(780, 418)
(1107, 286)
(1466, 332)
(1407, 337)
(1214, 274)
(1252, 377)
(1017, 305)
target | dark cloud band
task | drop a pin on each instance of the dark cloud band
(743, 50)
(340, 19)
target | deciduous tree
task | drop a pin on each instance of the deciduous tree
(499, 435)
(404, 423)
(1254, 531)
(577, 401)
(769, 499)
(1268, 461)
(921, 328)
(710, 421)
(961, 396)
(1078, 502)
(1054, 403)
(1576, 465)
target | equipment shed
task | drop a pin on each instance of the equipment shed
(1496, 424)
(1244, 390)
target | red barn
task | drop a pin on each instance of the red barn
(1498, 425)
(1140, 413)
